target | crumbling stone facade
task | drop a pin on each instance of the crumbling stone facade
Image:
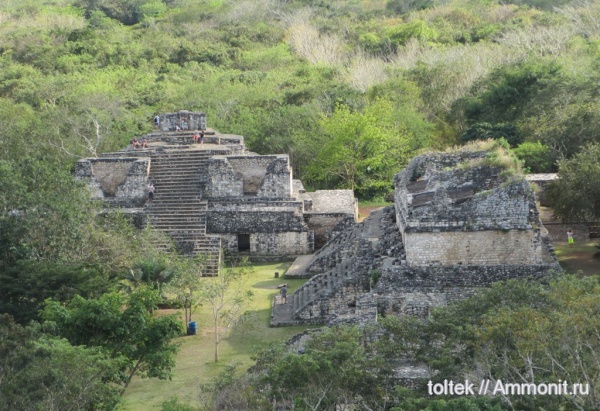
(451, 213)
(457, 225)
(185, 120)
(119, 182)
(217, 194)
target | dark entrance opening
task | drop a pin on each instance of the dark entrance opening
(243, 242)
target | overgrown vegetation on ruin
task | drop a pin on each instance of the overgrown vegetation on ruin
(350, 89)
(518, 331)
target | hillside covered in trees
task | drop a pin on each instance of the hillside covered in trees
(351, 90)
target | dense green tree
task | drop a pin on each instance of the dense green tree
(39, 372)
(124, 328)
(337, 366)
(26, 285)
(505, 96)
(575, 196)
(485, 131)
(404, 6)
(360, 150)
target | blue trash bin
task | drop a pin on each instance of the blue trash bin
(192, 328)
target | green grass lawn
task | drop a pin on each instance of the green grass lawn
(195, 361)
(579, 257)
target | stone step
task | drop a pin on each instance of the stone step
(167, 212)
(178, 162)
(183, 170)
(178, 179)
(178, 172)
(190, 199)
(186, 190)
(181, 153)
(174, 228)
(185, 186)
(178, 165)
(169, 215)
(178, 225)
(188, 193)
(166, 209)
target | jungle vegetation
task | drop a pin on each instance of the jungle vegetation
(349, 89)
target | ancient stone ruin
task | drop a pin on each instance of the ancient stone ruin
(216, 194)
(458, 223)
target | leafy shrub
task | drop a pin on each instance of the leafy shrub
(537, 157)
(484, 131)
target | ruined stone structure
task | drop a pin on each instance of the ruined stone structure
(217, 194)
(457, 224)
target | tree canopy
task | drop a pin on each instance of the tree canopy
(575, 195)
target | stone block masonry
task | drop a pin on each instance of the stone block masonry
(186, 120)
(216, 193)
(456, 226)
(119, 182)
(259, 176)
(482, 248)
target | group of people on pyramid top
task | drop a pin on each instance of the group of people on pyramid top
(198, 135)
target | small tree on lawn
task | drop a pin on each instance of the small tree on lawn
(186, 285)
(227, 296)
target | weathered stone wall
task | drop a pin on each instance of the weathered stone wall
(334, 201)
(278, 179)
(187, 120)
(324, 224)
(117, 181)
(470, 212)
(409, 279)
(248, 220)
(259, 176)
(339, 300)
(495, 209)
(222, 181)
(279, 245)
(473, 248)
(328, 212)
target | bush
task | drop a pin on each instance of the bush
(537, 157)
(484, 131)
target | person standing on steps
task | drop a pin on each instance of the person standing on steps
(196, 137)
(570, 237)
(157, 121)
(202, 137)
(283, 292)
(151, 189)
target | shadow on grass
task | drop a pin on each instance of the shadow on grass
(293, 284)
(254, 334)
(579, 257)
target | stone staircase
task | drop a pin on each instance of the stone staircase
(343, 270)
(179, 175)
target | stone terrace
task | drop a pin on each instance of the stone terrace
(215, 195)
